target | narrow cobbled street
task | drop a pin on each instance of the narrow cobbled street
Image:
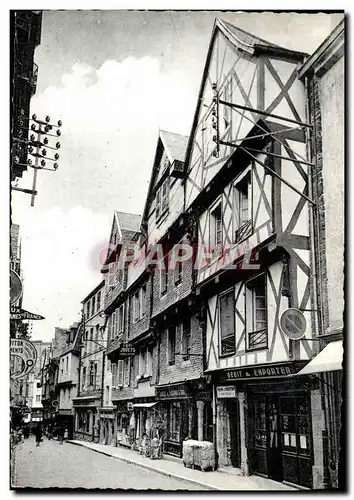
(68, 466)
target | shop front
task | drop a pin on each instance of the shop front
(106, 426)
(124, 413)
(266, 423)
(65, 418)
(146, 428)
(186, 411)
(85, 418)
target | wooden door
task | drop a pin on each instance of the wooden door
(234, 421)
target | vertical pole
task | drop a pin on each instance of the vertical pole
(36, 166)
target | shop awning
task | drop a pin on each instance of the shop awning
(144, 405)
(328, 360)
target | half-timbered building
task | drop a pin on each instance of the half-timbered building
(183, 401)
(248, 183)
(118, 383)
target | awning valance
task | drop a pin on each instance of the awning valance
(144, 405)
(328, 360)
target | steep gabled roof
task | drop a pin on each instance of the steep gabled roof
(243, 41)
(241, 36)
(127, 221)
(175, 146)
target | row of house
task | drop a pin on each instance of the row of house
(220, 313)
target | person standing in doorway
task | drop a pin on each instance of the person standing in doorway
(61, 434)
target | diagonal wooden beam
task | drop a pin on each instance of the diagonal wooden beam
(278, 176)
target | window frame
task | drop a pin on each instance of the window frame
(163, 280)
(215, 245)
(238, 223)
(250, 310)
(186, 339)
(171, 350)
(162, 197)
(230, 291)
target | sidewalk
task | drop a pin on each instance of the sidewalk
(215, 480)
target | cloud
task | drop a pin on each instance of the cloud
(111, 117)
(60, 258)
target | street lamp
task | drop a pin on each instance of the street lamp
(38, 146)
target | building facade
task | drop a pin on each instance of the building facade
(68, 376)
(25, 32)
(323, 77)
(91, 366)
(248, 180)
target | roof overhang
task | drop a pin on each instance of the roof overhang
(330, 359)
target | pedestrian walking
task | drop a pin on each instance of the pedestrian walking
(26, 432)
(66, 434)
(61, 434)
(38, 433)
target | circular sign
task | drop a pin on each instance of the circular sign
(24, 357)
(15, 287)
(293, 324)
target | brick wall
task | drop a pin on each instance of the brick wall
(137, 328)
(175, 292)
(182, 370)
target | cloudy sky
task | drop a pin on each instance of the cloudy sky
(114, 78)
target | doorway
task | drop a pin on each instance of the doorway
(280, 440)
(234, 421)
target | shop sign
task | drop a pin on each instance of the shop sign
(171, 392)
(15, 287)
(126, 350)
(260, 372)
(226, 391)
(26, 351)
(18, 313)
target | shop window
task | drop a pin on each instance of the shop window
(215, 229)
(208, 422)
(186, 339)
(256, 313)
(295, 425)
(260, 423)
(174, 421)
(227, 323)
(171, 345)
(243, 195)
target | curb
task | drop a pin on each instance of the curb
(148, 467)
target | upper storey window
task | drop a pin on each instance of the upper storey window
(162, 195)
(243, 196)
(215, 229)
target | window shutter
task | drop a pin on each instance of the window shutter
(127, 372)
(158, 203)
(114, 374)
(227, 314)
(117, 322)
(120, 372)
(113, 326)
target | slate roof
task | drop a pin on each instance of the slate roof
(128, 222)
(174, 144)
(245, 37)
